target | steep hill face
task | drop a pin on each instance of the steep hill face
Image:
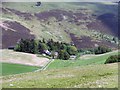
(12, 32)
(84, 24)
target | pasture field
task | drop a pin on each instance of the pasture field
(9, 68)
(88, 71)
(10, 56)
(91, 76)
(81, 61)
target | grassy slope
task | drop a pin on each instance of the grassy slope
(87, 60)
(87, 76)
(30, 6)
(81, 77)
(9, 69)
(50, 31)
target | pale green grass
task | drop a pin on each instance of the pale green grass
(30, 6)
(82, 61)
(10, 69)
(92, 76)
(45, 6)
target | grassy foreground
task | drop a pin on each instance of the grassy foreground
(9, 69)
(92, 76)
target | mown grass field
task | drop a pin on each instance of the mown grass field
(81, 61)
(91, 76)
(10, 56)
(9, 69)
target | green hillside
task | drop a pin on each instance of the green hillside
(91, 76)
(81, 61)
(58, 21)
(88, 71)
(11, 69)
(31, 8)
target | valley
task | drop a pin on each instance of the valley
(59, 45)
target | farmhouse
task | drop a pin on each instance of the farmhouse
(47, 52)
(72, 57)
(55, 54)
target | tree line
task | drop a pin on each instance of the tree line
(97, 50)
(64, 50)
(33, 46)
(113, 59)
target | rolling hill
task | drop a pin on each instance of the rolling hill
(87, 71)
(92, 76)
(77, 22)
(82, 61)
(85, 24)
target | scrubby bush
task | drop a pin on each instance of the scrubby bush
(102, 49)
(27, 45)
(72, 50)
(42, 47)
(66, 56)
(63, 55)
(17, 47)
(113, 59)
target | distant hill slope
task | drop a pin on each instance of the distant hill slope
(75, 22)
